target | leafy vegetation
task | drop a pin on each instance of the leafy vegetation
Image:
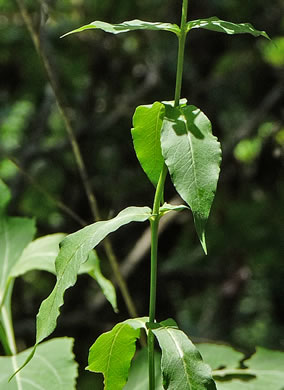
(174, 137)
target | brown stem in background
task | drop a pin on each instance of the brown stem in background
(36, 38)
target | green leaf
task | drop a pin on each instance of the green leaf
(15, 234)
(138, 375)
(92, 267)
(182, 365)
(40, 254)
(5, 195)
(166, 207)
(112, 353)
(217, 355)
(146, 134)
(193, 156)
(74, 251)
(52, 368)
(216, 24)
(126, 26)
(264, 370)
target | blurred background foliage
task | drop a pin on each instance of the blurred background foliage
(235, 294)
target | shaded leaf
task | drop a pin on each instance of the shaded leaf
(112, 353)
(92, 267)
(182, 366)
(146, 134)
(217, 355)
(264, 371)
(74, 251)
(15, 234)
(126, 26)
(52, 368)
(216, 24)
(138, 374)
(193, 156)
(5, 195)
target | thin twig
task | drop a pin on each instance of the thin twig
(35, 35)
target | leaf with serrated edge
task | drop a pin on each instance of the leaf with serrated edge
(216, 24)
(112, 353)
(53, 367)
(218, 355)
(182, 365)
(193, 156)
(129, 25)
(146, 134)
(74, 251)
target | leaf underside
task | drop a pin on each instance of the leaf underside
(216, 24)
(130, 25)
(263, 370)
(53, 367)
(193, 157)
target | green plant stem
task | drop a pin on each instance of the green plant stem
(154, 222)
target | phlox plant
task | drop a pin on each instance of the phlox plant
(171, 139)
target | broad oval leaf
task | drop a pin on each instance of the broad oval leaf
(146, 134)
(112, 353)
(193, 156)
(216, 24)
(182, 366)
(129, 25)
(74, 251)
(52, 368)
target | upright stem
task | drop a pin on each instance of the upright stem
(157, 202)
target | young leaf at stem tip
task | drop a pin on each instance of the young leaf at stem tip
(193, 156)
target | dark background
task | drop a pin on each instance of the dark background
(235, 294)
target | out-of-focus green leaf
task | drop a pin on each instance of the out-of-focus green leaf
(193, 156)
(263, 370)
(217, 355)
(182, 366)
(40, 254)
(74, 251)
(15, 234)
(247, 150)
(112, 353)
(146, 134)
(216, 24)
(126, 26)
(138, 375)
(273, 52)
(53, 368)
(5, 196)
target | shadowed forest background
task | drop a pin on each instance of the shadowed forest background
(235, 294)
